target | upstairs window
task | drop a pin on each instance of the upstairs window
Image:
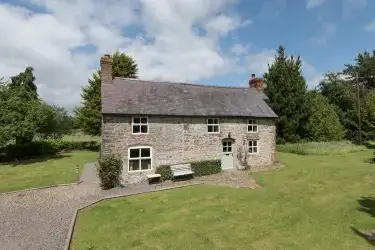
(252, 126)
(140, 125)
(213, 125)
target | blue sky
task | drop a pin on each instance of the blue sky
(217, 42)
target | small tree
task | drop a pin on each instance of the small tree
(109, 171)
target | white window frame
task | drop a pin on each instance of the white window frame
(252, 146)
(140, 124)
(139, 159)
(252, 123)
(213, 125)
(226, 146)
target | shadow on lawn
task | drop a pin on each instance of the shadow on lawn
(369, 145)
(35, 160)
(367, 205)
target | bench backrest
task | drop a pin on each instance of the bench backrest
(181, 167)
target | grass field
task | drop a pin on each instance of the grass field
(315, 202)
(80, 137)
(320, 148)
(40, 172)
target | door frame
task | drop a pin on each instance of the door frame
(223, 153)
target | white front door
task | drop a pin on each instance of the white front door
(227, 155)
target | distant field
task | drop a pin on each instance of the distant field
(321, 148)
(80, 137)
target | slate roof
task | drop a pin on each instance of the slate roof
(138, 97)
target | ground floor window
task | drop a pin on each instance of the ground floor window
(253, 146)
(139, 158)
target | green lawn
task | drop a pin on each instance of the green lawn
(43, 172)
(312, 203)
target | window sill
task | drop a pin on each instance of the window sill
(139, 171)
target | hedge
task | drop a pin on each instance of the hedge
(35, 149)
(109, 171)
(200, 168)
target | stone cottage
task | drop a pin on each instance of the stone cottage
(152, 123)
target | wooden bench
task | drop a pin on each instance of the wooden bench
(181, 170)
(152, 177)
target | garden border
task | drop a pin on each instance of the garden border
(69, 237)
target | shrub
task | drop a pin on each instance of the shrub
(206, 167)
(109, 171)
(323, 123)
(372, 160)
(165, 172)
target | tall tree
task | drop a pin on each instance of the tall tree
(365, 68)
(24, 84)
(286, 90)
(89, 113)
(124, 65)
(341, 93)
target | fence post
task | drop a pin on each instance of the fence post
(77, 173)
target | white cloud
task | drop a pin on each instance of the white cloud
(223, 24)
(175, 40)
(326, 32)
(370, 27)
(46, 41)
(313, 77)
(257, 62)
(314, 3)
(239, 49)
(165, 42)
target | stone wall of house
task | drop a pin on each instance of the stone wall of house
(185, 139)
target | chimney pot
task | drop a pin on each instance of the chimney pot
(256, 83)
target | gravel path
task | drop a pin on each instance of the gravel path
(40, 219)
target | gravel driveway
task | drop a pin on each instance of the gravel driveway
(40, 219)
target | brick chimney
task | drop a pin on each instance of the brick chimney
(257, 83)
(106, 69)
